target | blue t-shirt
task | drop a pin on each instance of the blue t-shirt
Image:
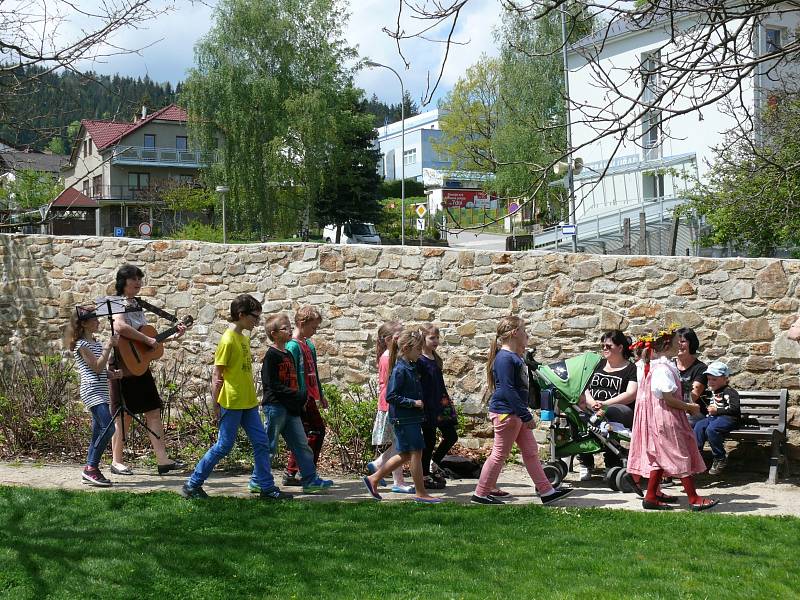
(511, 386)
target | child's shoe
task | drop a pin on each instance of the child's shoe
(403, 489)
(485, 500)
(291, 480)
(718, 466)
(371, 468)
(584, 473)
(93, 476)
(193, 493)
(318, 485)
(556, 495)
(253, 487)
(275, 494)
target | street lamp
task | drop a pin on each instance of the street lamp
(573, 217)
(372, 65)
(222, 190)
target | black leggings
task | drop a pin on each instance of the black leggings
(449, 437)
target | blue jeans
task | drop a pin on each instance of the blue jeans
(101, 417)
(229, 422)
(714, 429)
(278, 421)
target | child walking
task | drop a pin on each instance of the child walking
(404, 395)
(663, 443)
(440, 414)
(306, 322)
(507, 378)
(283, 406)
(233, 389)
(91, 357)
(382, 431)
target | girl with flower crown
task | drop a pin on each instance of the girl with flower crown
(663, 443)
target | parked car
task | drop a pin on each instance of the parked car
(352, 233)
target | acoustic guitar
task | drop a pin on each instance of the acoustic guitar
(136, 356)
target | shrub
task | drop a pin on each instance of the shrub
(349, 418)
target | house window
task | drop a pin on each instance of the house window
(97, 186)
(651, 76)
(86, 187)
(138, 181)
(773, 39)
(186, 180)
(181, 142)
(89, 141)
(410, 157)
(85, 147)
(149, 140)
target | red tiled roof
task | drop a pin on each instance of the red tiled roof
(72, 198)
(107, 133)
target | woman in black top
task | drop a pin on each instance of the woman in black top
(612, 389)
(692, 371)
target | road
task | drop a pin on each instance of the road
(480, 241)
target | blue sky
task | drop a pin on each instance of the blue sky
(173, 37)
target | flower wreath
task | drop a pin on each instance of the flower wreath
(646, 341)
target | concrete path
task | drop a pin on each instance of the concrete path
(745, 493)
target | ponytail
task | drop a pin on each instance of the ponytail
(385, 331)
(393, 352)
(490, 365)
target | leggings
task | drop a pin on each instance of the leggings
(449, 437)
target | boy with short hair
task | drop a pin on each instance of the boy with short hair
(723, 415)
(284, 404)
(233, 389)
(307, 320)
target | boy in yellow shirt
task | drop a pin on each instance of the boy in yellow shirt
(233, 389)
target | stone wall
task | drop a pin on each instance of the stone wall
(740, 308)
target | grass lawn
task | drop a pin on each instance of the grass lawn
(56, 544)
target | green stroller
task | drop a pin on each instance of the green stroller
(573, 431)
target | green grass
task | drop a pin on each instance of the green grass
(57, 544)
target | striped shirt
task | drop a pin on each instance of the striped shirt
(94, 386)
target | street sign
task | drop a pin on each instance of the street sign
(119, 232)
(513, 207)
(421, 210)
(420, 224)
(569, 229)
(145, 229)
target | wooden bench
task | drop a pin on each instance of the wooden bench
(764, 419)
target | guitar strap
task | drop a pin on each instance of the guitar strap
(155, 310)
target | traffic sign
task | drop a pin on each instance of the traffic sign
(119, 232)
(421, 210)
(513, 207)
(145, 229)
(569, 229)
(420, 224)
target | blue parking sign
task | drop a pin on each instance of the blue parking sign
(119, 232)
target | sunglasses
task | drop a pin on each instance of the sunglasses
(608, 346)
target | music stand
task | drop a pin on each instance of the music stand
(108, 307)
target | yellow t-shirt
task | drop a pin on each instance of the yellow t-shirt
(238, 390)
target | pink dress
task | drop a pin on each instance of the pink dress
(662, 437)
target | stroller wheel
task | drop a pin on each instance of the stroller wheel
(562, 465)
(611, 477)
(622, 484)
(553, 473)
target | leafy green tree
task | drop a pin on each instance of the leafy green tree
(752, 196)
(261, 89)
(57, 146)
(30, 189)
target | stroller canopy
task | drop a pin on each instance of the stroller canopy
(571, 376)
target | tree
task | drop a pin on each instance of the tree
(264, 83)
(30, 189)
(752, 197)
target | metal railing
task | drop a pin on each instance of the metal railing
(126, 193)
(139, 155)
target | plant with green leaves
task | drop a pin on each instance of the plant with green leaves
(349, 418)
(30, 189)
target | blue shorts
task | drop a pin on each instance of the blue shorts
(408, 438)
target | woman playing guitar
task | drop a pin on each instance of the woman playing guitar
(139, 392)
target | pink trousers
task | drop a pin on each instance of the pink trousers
(506, 432)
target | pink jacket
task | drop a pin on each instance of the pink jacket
(383, 381)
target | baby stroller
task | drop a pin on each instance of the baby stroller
(573, 431)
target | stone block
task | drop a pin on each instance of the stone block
(388, 285)
(589, 269)
(351, 336)
(735, 289)
(751, 330)
(771, 282)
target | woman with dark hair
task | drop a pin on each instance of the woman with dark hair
(692, 370)
(139, 391)
(612, 390)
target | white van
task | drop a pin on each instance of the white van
(353, 233)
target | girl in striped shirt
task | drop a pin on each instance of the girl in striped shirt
(91, 357)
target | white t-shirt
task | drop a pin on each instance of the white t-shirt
(662, 377)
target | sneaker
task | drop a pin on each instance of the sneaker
(275, 494)
(403, 489)
(193, 493)
(253, 487)
(718, 466)
(556, 495)
(584, 473)
(291, 480)
(318, 485)
(93, 476)
(119, 469)
(485, 500)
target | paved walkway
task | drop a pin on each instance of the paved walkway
(745, 493)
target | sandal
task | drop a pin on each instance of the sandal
(118, 469)
(657, 505)
(705, 503)
(666, 498)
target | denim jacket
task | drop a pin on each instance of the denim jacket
(404, 388)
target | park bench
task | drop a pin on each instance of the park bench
(764, 420)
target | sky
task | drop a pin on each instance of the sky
(173, 37)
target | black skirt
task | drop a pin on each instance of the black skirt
(139, 391)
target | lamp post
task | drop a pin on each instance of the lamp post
(222, 190)
(570, 174)
(372, 64)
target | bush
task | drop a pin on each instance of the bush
(349, 418)
(195, 230)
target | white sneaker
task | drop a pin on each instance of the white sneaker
(584, 473)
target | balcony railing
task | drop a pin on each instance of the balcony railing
(167, 157)
(123, 193)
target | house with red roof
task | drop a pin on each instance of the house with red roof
(121, 166)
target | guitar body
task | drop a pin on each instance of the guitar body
(137, 356)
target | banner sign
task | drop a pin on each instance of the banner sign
(468, 199)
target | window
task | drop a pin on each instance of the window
(85, 147)
(410, 157)
(186, 180)
(773, 39)
(90, 145)
(181, 142)
(149, 140)
(138, 181)
(86, 187)
(651, 76)
(97, 186)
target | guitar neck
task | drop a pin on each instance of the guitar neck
(166, 333)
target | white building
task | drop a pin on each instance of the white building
(645, 169)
